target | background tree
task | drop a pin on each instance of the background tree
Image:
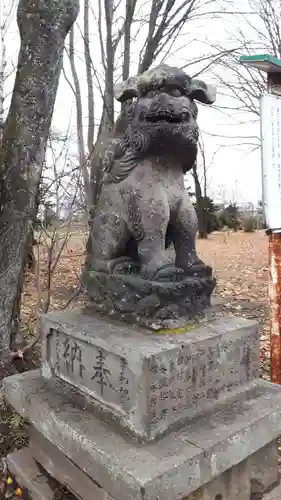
(211, 220)
(230, 217)
(205, 208)
(25, 137)
(258, 33)
(132, 36)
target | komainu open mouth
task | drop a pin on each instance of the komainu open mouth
(163, 116)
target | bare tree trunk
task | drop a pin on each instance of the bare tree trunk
(130, 10)
(88, 63)
(31, 259)
(43, 26)
(79, 122)
(3, 63)
(108, 53)
(204, 165)
(107, 119)
(109, 75)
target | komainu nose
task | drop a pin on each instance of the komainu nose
(161, 103)
(155, 105)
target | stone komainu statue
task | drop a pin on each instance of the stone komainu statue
(144, 205)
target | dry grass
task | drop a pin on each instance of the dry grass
(240, 263)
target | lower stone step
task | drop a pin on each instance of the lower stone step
(63, 470)
(188, 461)
(275, 494)
(23, 467)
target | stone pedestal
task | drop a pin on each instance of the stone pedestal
(145, 416)
(150, 383)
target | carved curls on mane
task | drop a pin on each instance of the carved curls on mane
(121, 160)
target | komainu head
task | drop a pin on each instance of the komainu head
(162, 114)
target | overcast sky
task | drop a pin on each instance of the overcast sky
(234, 171)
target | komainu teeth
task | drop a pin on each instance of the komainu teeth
(166, 117)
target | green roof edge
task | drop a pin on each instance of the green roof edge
(261, 58)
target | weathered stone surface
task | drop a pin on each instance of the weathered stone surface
(150, 382)
(26, 471)
(264, 469)
(132, 87)
(62, 469)
(233, 484)
(144, 206)
(275, 494)
(172, 468)
(149, 303)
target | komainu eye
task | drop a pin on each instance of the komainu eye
(175, 92)
(150, 94)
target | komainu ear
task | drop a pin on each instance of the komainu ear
(200, 91)
(126, 90)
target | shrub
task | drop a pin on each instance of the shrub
(230, 217)
(207, 215)
(249, 224)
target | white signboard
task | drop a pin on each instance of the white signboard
(271, 159)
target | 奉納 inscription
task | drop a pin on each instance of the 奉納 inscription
(194, 377)
(72, 355)
(102, 373)
(92, 369)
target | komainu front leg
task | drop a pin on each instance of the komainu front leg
(152, 213)
(184, 227)
(107, 244)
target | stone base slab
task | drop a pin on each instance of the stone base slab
(62, 469)
(23, 467)
(30, 476)
(264, 469)
(275, 494)
(150, 383)
(172, 468)
(234, 484)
